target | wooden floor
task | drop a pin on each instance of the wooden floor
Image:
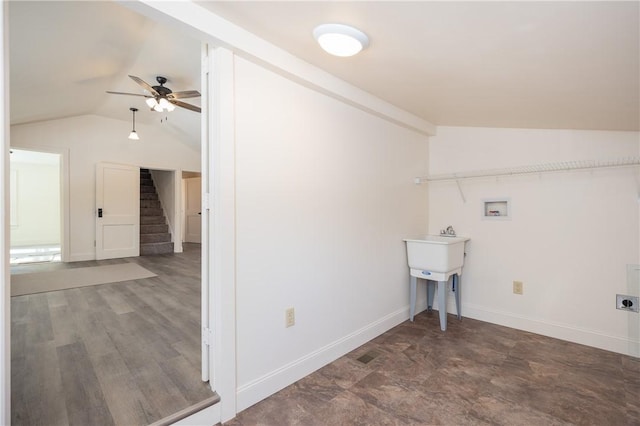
(123, 353)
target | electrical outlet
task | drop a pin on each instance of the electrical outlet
(517, 287)
(290, 317)
(627, 303)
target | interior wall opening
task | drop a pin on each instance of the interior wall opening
(36, 207)
(148, 317)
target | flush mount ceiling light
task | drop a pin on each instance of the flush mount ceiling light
(340, 40)
(134, 135)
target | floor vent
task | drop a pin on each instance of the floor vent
(368, 357)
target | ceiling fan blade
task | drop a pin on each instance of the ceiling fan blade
(130, 94)
(185, 105)
(144, 84)
(184, 94)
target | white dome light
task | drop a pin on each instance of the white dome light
(340, 40)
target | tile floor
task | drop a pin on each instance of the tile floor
(475, 373)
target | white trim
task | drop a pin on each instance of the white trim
(206, 323)
(208, 416)
(256, 390)
(177, 236)
(13, 198)
(622, 345)
(206, 25)
(222, 232)
(81, 257)
(5, 302)
(65, 207)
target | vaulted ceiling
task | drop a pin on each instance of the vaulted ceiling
(64, 56)
(572, 65)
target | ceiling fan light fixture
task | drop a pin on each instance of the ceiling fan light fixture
(161, 98)
(164, 103)
(340, 40)
(151, 102)
(134, 135)
(160, 104)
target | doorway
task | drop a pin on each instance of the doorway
(36, 207)
(192, 207)
(214, 258)
(156, 320)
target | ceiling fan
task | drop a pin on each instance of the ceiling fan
(162, 98)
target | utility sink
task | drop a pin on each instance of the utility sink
(436, 258)
(435, 253)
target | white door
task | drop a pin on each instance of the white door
(193, 210)
(117, 211)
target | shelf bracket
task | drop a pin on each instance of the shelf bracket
(464, 200)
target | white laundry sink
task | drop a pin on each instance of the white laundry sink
(435, 253)
(436, 259)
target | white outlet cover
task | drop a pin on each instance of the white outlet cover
(634, 300)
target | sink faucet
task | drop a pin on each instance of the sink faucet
(448, 232)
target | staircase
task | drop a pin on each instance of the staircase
(154, 231)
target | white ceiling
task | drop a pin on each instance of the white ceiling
(494, 64)
(65, 55)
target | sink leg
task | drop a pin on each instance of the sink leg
(442, 303)
(431, 288)
(412, 302)
(456, 289)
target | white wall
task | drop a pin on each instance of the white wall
(324, 196)
(91, 139)
(569, 240)
(37, 204)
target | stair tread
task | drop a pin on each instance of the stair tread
(155, 237)
(159, 237)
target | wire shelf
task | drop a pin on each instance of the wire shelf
(538, 168)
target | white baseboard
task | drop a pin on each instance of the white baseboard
(625, 346)
(207, 417)
(570, 333)
(255, 391)
(81, 257)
